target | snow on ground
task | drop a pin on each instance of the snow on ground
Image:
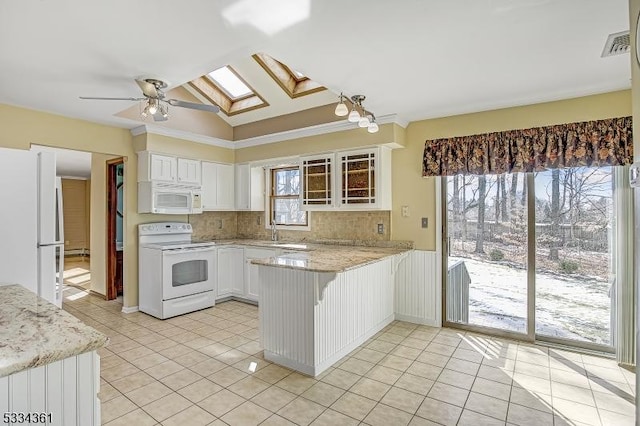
(568, 307)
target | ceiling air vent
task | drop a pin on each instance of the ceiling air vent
(616, 44)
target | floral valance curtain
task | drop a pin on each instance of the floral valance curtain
(591, 143)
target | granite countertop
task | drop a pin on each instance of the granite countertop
(328, 258)
(34, 332)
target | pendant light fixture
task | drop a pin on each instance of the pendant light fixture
(358, 114)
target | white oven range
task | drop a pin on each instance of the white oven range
(175, 275)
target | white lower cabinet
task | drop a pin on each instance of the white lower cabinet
(237, 276)
(252, 282)
(230, 271)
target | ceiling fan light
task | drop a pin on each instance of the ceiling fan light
(341, 109)
(153, 109)
(373, 127)
(364, 121)
(354, 116)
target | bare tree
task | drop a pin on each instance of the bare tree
(482, 194)
(503, 204)
(555, 213)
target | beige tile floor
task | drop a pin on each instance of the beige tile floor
(194, 370)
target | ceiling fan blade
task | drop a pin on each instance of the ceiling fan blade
(193, 105)
(148, 89)
(111, 99)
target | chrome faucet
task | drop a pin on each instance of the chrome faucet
(274, 231)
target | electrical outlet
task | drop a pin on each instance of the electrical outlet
(425, 222)
(220, 223)
(259, 220)
(405, 211)
(381, 228)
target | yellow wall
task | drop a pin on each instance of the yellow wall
(410, 189)
(186, 149)
(348, 139)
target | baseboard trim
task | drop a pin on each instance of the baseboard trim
(129, 309)
(418, 320)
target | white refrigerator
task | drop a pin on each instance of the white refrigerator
(32, 236)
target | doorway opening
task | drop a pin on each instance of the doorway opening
(115, 223)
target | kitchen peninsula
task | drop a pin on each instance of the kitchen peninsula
(48, 361)
(317, 306)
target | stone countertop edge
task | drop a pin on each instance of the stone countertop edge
(311, 244)
(328, 260)
(34, 332)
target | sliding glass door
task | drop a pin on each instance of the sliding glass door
(529, 255)
(487, 244)
(573, 224)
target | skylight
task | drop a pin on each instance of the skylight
(230, 82)
(293, 82)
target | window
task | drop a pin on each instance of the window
(293, 82)
(284, 199)
(225, 88)
(230, 83)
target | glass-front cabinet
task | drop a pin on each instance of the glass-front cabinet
(349, 180)
(317, 181)
(358, 178)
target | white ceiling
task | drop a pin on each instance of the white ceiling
(69, 163)
(414, 58)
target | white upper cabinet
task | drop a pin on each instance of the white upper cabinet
(249, 187)
(153, 167)
(217, 186)
(189, 171)
(157, 167)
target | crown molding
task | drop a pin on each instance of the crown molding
(320, 129)
(181, 134)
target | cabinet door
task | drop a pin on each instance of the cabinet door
(252, 282)
(209, 186)
(242, 186)
(317, 181)
(230, 272)
(188, 171)
(358, 179)
(224, 187)
(163, 168)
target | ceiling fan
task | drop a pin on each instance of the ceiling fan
(156, 104)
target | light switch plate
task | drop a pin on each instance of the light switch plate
(381, 228)
(425, 222)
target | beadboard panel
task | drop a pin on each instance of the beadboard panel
(418, 290)
(67, 389)
(310, 320)
(354, 306)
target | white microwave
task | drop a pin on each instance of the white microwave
(169, 198)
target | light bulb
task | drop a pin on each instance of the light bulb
(153, 109)
(373, 127)
(354, 116)
(364, 121)
(341, 109)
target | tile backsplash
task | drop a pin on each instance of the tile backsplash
(214, 225)
(353, 225)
